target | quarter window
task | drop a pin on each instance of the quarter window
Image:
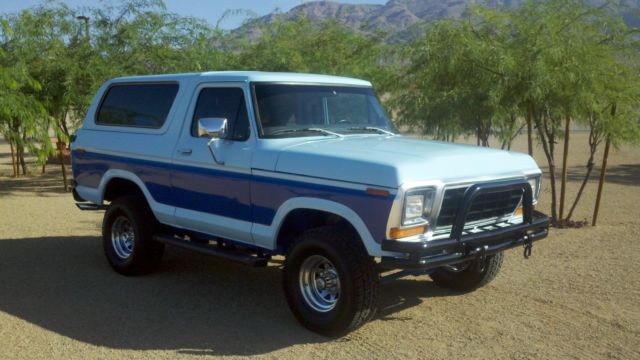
(223, 102)
(139, 105)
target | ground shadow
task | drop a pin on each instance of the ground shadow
(623, 174)
(193, 304)
(41, 184)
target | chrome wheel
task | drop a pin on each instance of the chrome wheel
(122, 237)
(319, 283)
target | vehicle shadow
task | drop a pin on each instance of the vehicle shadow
(406, 293)
(193, 304)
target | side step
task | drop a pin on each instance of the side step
(91, 206)
(243, 258)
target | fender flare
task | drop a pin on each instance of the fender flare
(164, 213)
(373, 248)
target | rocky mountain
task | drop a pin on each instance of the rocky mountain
(399, 18)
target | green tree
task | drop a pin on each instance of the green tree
(326, 47)
(20, 109)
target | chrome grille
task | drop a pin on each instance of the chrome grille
(495, 204)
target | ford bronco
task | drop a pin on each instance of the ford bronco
(248, 165)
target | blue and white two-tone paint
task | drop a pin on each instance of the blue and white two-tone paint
(331, 149)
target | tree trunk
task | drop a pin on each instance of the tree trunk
(563, 181)
(23, 163)
(60, 145)
(603, 172)
(582, 186)
(529, 132)
(547, 139)
(20, 158)
(594, 141)
(14, 161)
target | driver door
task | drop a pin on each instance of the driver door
(214, 197)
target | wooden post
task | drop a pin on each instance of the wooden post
(563, 180)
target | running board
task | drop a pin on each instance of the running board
(91, 206)
(246, 259)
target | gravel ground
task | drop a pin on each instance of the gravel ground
(577, 297)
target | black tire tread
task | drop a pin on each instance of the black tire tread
(361, 268)
(471, 278)
(147, 252)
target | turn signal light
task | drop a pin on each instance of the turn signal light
(397, 233)
(518, 212)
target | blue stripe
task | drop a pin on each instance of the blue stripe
(251, 198)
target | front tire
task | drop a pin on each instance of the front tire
(127, 236)
(330, 282)
(469, 276)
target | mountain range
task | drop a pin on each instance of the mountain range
(401, 19)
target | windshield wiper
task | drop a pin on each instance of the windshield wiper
(372, 128)
(320, 130)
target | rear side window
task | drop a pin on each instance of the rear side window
(139, 105)
(223, 102)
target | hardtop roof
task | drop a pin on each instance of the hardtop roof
(250, 76)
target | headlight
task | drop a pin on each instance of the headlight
(417, 206)
(535, 182)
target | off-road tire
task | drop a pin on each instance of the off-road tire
(477, 274)
(146, 252)
(359, 280)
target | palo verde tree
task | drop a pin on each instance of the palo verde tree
(547, 62)
(327, 47)
(456, 79)
(21, 112)
(46, 40)
(141, 37)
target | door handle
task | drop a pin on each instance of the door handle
(185, 151)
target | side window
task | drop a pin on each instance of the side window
(225, 103)
(137, 105)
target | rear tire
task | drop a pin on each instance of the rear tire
(330, 282)
(473, 275)
(127, 236)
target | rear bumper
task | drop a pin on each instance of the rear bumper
(459, 248)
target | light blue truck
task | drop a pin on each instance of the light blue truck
(248, 165)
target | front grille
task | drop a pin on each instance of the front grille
(485, 206)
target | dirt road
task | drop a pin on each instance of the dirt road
(577, 297)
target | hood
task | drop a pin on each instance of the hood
(393, 161)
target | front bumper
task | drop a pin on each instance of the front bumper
(458, 247)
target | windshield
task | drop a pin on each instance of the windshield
(285, 110)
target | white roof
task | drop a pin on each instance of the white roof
(251, 76)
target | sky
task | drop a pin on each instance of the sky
(209, 10)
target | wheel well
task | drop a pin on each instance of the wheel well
(121, 187)
(301, 220)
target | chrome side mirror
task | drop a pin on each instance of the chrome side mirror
(212, 128)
